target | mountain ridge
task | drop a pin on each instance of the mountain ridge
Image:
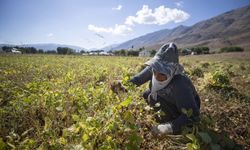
(227, 29)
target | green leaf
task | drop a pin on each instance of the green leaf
(214, 136)
(125, 79)
(129, 117)
(59, 108)
(126, 102)
(196, 146)
(135, 139)
(189, 146)
(85, 137)
(62, 141)
(205, 137)
(48, 124)
(11, 145)
(214, 146)
(228, 143)
(192, 146)
(187, 112)
(75, 117)
(191, 137)
(2, 144)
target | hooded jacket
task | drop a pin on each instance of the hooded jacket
(179, 96)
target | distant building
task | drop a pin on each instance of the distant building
(102, 53)
(15, 51)
(144, 53)
(106, 54)
(194, 53)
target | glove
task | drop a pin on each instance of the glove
(116, 86)
(162, 129)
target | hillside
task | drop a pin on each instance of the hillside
(228, 29)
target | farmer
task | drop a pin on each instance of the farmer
(170, 91)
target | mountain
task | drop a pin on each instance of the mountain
(228, 29)
(47, 46)
(110, 47)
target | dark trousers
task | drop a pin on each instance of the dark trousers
(169, 110)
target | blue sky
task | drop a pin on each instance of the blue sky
(98, 23)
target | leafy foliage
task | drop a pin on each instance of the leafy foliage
(64, 102)
(232, 49)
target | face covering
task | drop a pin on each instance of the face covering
(158, 85)
(171, 69)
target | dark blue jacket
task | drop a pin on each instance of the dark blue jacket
(178, 95)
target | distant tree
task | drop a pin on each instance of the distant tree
(141, 49)
(179, 50)
(27, 50)
(185, 52)
(197, 50)
(65, 50)
(205, 50)
(40, 51)
(32, 50)
(232, 49)
(133, 53)
(110, 51)
(82, 51)
(153, 52)
(6, 48)
(51, 52)
(123, 52)
(200, 50)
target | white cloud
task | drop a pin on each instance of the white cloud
(179, 4)
(117, 30)
(119, 7)
(50, 34)
(160, 16)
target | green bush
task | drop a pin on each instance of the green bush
(219, 79)
(232, 49)
(197, 72)
(205, 65)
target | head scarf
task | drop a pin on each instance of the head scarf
(165, 61)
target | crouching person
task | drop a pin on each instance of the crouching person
(170, 91)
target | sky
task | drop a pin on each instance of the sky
(99, 23)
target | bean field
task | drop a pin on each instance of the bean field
(65, 102)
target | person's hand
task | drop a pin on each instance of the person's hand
(116, 86)
(162, 129)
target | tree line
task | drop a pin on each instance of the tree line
(195, 50)
(33, 50)
(122, 52)
(232, 49)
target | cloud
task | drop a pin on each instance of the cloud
(179, 4)
(119, 7)
(50, 35)
(117, 30)
(160, 16)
